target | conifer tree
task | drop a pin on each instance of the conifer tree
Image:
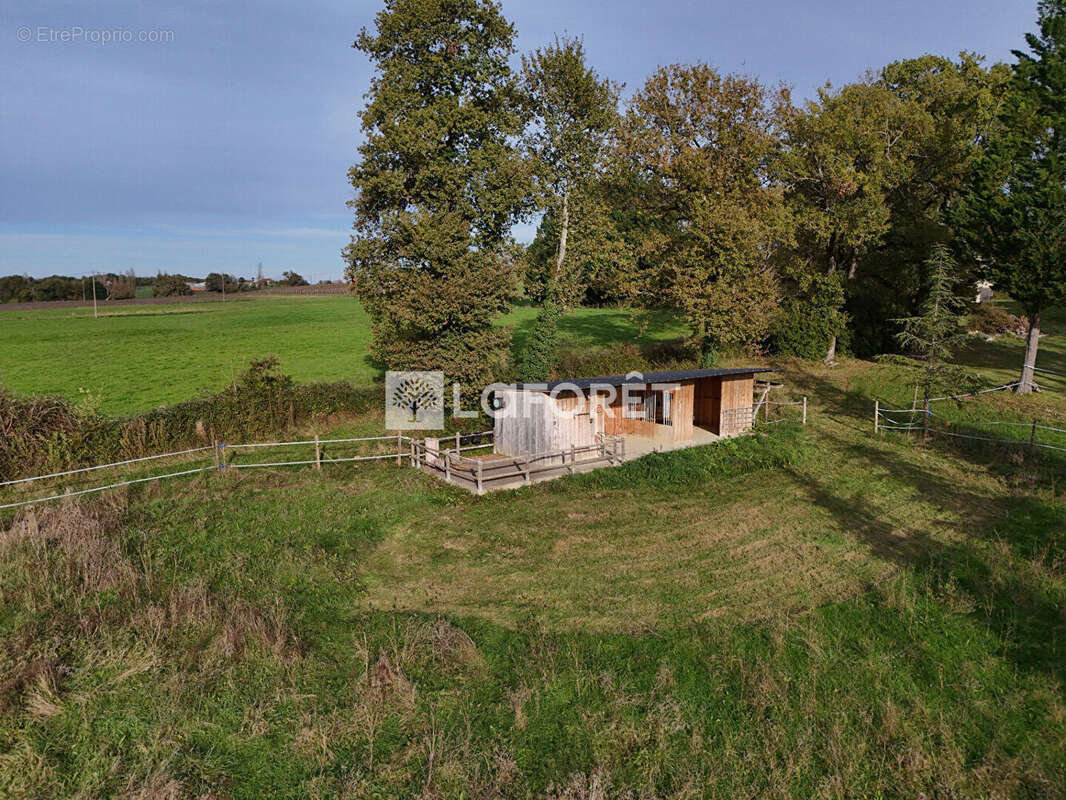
(1015, 216)
(933, 335)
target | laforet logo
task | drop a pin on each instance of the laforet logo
(414, 400)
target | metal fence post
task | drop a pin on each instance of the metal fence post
(877, 415)
(805, 411)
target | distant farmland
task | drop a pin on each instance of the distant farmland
(135, 357)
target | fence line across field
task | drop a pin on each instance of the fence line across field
(105, 488)
(236, 465)
(884, 412)
(204, 449)
(1041, 369)
(105, 466)
(452, 457)
(920, 421)
(1010, 385)
(221, 464)
(998, 441)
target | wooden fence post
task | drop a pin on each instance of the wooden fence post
(399, 448)
(877, 415)
(480, 482)
(318, 454)
(447, 467)
(804, 411)
(412, 456)
(458, 443)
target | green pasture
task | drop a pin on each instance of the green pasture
(133, 358)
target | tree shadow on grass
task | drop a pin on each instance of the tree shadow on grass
(1007, 353)
(1004, 561)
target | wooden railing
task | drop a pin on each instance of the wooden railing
(502, 471)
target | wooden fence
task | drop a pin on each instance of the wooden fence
(494, 471)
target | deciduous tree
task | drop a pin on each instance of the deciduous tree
(573, 112)
(700, 147)
(843, 154)
(438, 186)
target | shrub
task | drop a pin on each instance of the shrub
(810, 319)
(577, 362)
(45, 434)
(538, 357)
(988, 320)
(170, 286)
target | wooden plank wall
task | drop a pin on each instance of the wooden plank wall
(737, 393)
(619, 424)
(540, 424)
(707, 412)
(681, 404)
(544, 424)
(682, 409)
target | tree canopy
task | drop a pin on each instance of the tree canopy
(802, 228)
(438, 186)
(701, 146)
(573, 112)
(1015, 214)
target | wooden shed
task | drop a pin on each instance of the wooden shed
(652, 411)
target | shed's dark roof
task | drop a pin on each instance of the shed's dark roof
(668, 376)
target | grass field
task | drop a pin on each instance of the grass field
(815, 613)
(806, 613)
(137, 357)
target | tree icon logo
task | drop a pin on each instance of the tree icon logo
(414, 400)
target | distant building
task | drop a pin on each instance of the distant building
(197, 286)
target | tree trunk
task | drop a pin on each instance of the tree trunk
(1032, 342)
(564, 230)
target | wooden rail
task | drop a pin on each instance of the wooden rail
(481, 475)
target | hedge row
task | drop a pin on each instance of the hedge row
(50, 434)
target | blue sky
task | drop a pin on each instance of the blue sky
(225, 143)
